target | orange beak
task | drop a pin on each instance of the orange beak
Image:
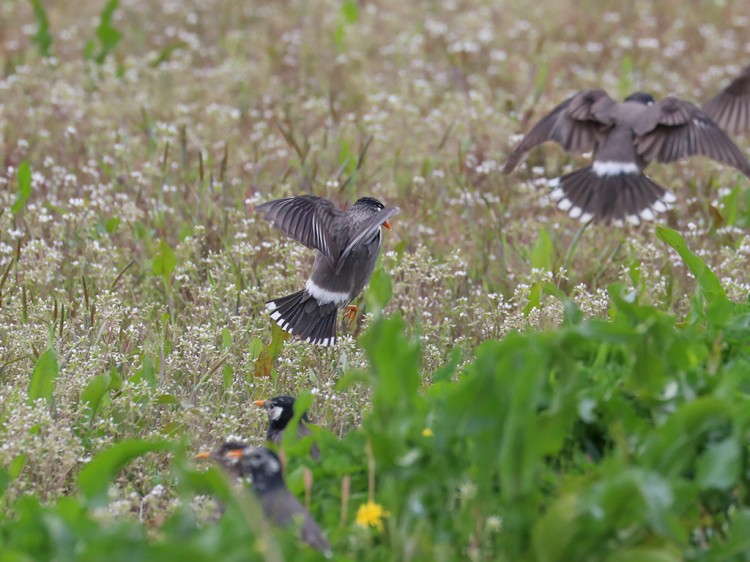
(235, 454)
(387, 225)
(203, 455)
(260, 403)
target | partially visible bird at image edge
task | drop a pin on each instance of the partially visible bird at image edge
(347, 243)
(730, 108)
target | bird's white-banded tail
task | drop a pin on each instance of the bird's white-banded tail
(616, 196)
(302, 315)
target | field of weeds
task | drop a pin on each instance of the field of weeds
(532, 389)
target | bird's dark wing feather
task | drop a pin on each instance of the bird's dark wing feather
(676, 129)
(730, 108)
(576, 124)
(365, 232)
(307, 219)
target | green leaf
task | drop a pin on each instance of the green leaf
(16, 465)
(264, 363)
(226, 339)
(107, 36)
(97, 475)
(254, 348)
(646, 554)
(42, 38)
(147, 372)
(23, 176)
(164, 262)
(112, 225)
(720, 465)
(43, 378)
(738, 539)
(542, 252)
(350, 11)
(379, 291)
(706, 278)
(348, 15)
(553, 531)
(94, 391)
(625, 83)
(228, 374)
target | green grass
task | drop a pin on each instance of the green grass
(585, 389)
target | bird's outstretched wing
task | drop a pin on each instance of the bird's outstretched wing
(676, 129)
(307, 219)
(730, 108)
(366, 232)
(576, 124)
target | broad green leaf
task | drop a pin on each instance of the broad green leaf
(350, 11)
(264, 363)
(147, 372)
(379, 291)
(43, 378)
(107, 36)
(164, 262)
(720, 465)
(16, 465)
(95, 478)
(94, 391)
(23, 176)
(42, 38)
(553, 531)
(542, 252)
(646, 554)
(625, 83)
(228, 374)
(112, 225)
(254, 348)
(737, 542)
(226, 339)
(706, 278)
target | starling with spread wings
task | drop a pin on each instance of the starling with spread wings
(347, 244)
(624, 138)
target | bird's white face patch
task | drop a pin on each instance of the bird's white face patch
(324, 296)
(614, 168)
(275, 413)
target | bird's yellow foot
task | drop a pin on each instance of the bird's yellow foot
(351, 313)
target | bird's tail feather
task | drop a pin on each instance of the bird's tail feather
(301, 315)
(618, 197)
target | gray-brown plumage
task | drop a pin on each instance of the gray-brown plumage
(730, 108)
(348, 243)
(280, 413)
(625, 138)
(280, 506)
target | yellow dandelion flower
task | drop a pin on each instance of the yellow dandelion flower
(427, 432)
(371, 514)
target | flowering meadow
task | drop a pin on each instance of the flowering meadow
(517, 386)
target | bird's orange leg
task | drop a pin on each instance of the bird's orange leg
(351, 313)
